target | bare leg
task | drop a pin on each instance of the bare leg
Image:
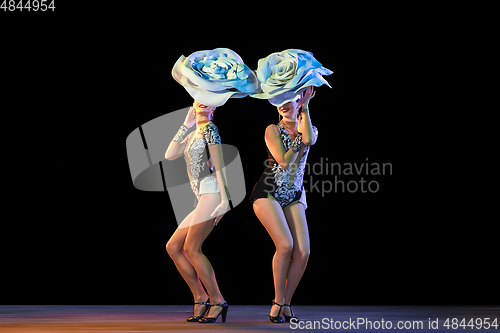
(296, 218)
(184, 266)
(197, 233)
(271, 215)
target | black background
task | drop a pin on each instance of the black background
(76, 231)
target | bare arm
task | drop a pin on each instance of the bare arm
(273, 142)
(211, 135)
(176, 147)
(220, 170)
(305, 126)
(309, 136)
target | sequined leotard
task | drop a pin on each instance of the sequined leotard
(196, 155)
(286, 186)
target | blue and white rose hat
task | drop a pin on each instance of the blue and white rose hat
(284, 75)
(212, 77)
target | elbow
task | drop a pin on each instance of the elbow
(285, 166)
(307, 140)
(168, 156)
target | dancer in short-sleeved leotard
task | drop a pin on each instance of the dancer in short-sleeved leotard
(279, 200)
(211, 77)
(287, 80)
(207, 178)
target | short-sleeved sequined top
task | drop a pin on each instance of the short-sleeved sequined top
(286, 186)
(196, 155)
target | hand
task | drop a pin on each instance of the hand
(306, 96)
(190, 118)
(219, 211)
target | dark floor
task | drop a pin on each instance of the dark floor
(241, 318)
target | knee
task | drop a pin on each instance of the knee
(301, 253)
(305, 253)
(173, 249)
(285, 248)
(191, 252)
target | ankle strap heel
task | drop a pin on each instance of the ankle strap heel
(195, 318)
(214, 319)
(277, 319)
(289, 318)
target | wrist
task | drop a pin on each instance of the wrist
(181, 133)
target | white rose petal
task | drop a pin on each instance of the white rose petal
(283, 75)
(212, 77)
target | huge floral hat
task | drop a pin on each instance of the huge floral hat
(212, 77)
(284, 75)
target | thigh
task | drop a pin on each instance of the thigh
(201, 223)
(271, 215)
(179, 236)
(187, 220)
(297, 222)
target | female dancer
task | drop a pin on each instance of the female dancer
(184, 247)
(279, 199)
(211, 77)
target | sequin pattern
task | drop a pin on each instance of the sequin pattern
(284, 192)
(196, 155)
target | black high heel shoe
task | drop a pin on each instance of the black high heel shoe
(288, 318)
(213, 319)
(276, 319)
(196, 318)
